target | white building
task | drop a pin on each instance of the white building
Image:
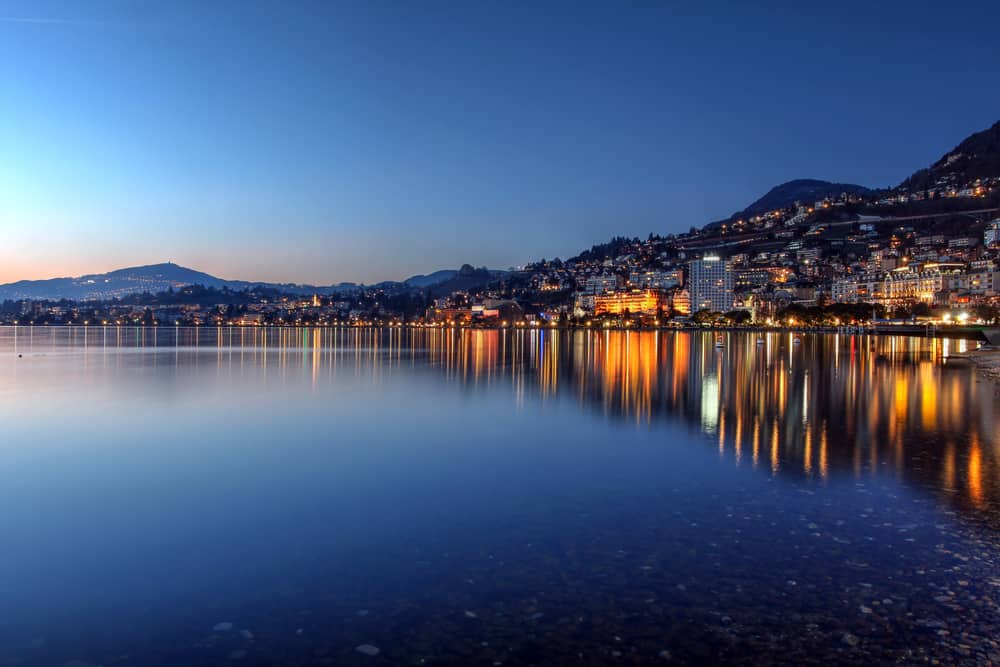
(602, 283)
(864, 288)
(656, 279)
(991, 237)
(710, 282)
(983, 284)
(929, 283)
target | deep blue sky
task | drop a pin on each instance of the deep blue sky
(362, 141)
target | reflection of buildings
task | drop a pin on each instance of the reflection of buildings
(865, 406)
(835, 404)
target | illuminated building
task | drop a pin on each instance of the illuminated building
(991, 237)
(710, 283)
(449, 315)
(656, 279)
(864, 288)
(761, 276)
(602, 284)
(906, 285)
(979, 284)
(636, 301)
(681, 302)
(583, 303)
(961, 242)
(481, 311)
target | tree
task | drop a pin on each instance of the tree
(988, 314)
(738, 316)
(705, 317)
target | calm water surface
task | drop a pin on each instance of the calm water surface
(282, 497)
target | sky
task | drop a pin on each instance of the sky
(334, 141)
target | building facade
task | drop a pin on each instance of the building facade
(991, 237)
(602, 283)
(635, 301)
(656, 279)
(710, 283)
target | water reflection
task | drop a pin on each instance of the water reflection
(867, 406)
(617, 494)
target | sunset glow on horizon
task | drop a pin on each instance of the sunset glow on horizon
(374, 141)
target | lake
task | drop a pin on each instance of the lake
(176, 497)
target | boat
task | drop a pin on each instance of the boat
(796, 340)
(719, 342)
(760, 341)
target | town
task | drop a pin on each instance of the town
(809, 253)
(832, 274)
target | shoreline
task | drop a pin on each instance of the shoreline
(972, 334)
(986, 361)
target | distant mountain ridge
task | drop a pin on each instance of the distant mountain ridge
(151, 278)
(431, 279)
(155, 278)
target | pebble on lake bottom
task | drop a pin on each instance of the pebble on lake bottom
(368, 649)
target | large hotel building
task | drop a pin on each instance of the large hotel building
(710, 282)
(636, 301)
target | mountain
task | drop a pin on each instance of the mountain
(152, 278)
(431, 279)
(466, 278)
(805, 190)
(978, 156)
(156, 278)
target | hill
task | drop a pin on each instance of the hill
(466, 278)
(133, 280)
(152, 278)
(977, 157)
(156, 278)
(805, 190)
(431, 279)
